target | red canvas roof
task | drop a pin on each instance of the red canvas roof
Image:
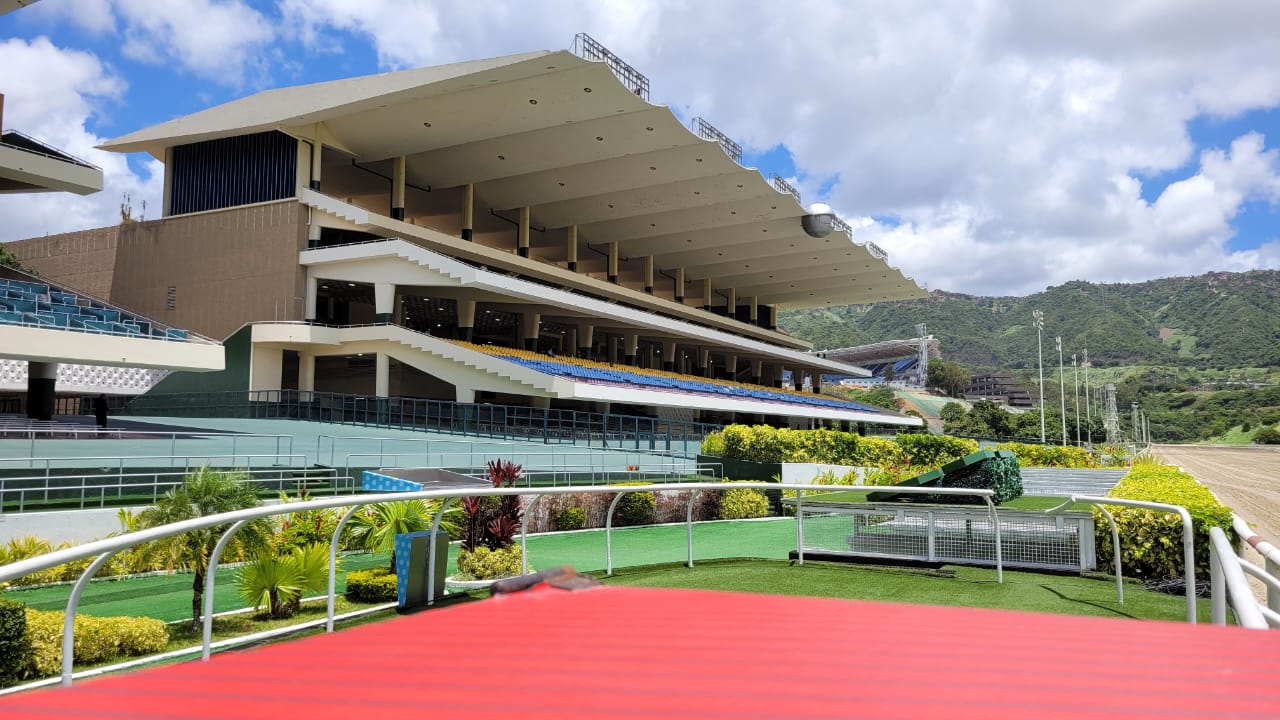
(629, 652)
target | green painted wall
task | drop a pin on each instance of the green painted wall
(239, 347)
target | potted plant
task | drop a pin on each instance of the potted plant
(489, 551)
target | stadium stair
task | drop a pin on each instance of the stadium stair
(40, 305)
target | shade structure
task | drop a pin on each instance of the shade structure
(629, 652)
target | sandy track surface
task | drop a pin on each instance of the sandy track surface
(1247, 479)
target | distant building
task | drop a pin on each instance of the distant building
(998, 388)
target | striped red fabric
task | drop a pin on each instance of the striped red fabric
(630, 652)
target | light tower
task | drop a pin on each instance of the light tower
(1062, 388)
(1038, 320)
(1088, 407)
(1075, 369)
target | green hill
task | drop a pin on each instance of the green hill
(1217, 320)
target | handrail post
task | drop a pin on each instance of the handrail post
(995, 527)
(69, 619)
(210, 570)
(608, 533)
(333, 564)
(524, 532)
(1115, 548)
(1217, 594)
(688, 524)
(431, 551)
(800, 527)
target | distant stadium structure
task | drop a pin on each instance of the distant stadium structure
(905, 361)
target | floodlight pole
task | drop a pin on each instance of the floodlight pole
(1038, 319)
(1076, 370)
(1062, 389)
(1088, 408)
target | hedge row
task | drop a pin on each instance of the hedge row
(762, 443)
(1151, 541)
(97, 639)
(374, 585)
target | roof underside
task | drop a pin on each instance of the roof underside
(562, 135)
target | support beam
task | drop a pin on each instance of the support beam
(468, 211)
(382, 375)
(522, 232)
(466, 319)
(397, 188)
(571, 247)
(648, 274)
(384, 297)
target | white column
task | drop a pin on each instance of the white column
(464, 394)
(306, 371)
(571, 248)
(382, 375)
(613, 262)
(265, 366)
(384, 297)
(397, 188)
(466, 319)
(706, 293)
(648, 274)
(522, 233)
(468, 211)
(679, 284)
(313, 292)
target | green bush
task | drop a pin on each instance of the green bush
(1266, 436)
(934, 450)
(1032, 455)
(742, 503)
(373, 585)
(15, 649)
(485, 564)
(636, 508)
(570, 518)
(97, 639)
(1151, 541)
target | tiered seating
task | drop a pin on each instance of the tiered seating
(38, 304)
(900, 366)
(590, 371)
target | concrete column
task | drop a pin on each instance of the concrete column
(466, 319)
(317, 157)
(731, 305)
(530, 322)
(313, 234)
(464, 394)
(754, 312)
(706, 294)
(704, 361)
(669, 355)
(648, 274)
(782, 372)
(612, 345)
(384, 298)
(42, 379)
(757, 371)
(397, 189)
(167, 198)
(313, 293)
(468, 210)
(679, 283)
(522, 233)
(631, 344)
(382, 375)
(540, 402)
(570, 341)
(265, 367)
(571, 247)
(306, 371)
(731, 367)
(586, 339)
(612, 270)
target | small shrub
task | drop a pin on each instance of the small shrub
(934, 450)
(15, 649)
(375, 585)
(636, 508)
(742, 503)
(485, 564)
(570, 518)
(1032, 455)
(97, 639)
(1151, 544)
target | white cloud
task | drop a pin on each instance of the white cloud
(51, 94)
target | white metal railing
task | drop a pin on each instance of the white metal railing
(1228, 585)
(1270, 558)
(474, 448)
(103, 550)
(1188, 539)
(284, 443)
(120, 490)
(559, 464)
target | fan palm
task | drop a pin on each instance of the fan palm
(376, 529)
(206, 492)
(278, 581)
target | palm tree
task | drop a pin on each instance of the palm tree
(278, 581)
(202, 493)
(377, 528)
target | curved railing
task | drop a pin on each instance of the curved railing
(103, 550)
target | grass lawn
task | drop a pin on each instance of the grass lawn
(969, 587)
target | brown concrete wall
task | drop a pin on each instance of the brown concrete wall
(228, 267)
(84, 260)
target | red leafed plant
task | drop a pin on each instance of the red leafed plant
(493, 522)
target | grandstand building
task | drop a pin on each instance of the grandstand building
(998, 388)
(525, 230)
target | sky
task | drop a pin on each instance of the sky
(991, 148)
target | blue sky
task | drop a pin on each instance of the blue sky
(989, 148)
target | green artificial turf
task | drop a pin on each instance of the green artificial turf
(969, 587)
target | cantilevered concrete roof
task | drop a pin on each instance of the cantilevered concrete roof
(562, 135)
